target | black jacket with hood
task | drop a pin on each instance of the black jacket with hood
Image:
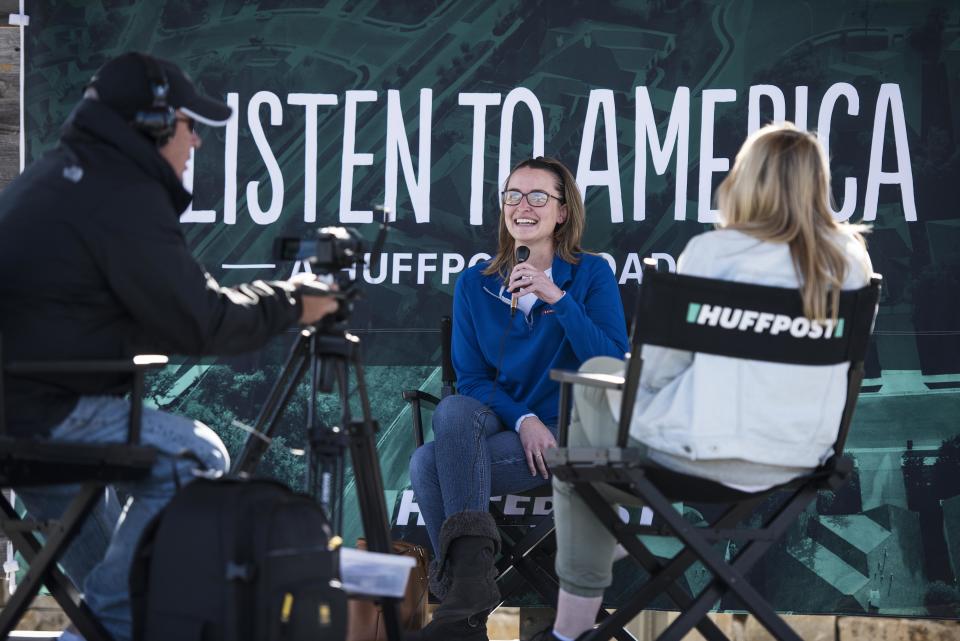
(94, 265)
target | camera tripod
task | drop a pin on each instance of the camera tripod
(329, 354)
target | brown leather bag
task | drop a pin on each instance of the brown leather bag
(365, 617)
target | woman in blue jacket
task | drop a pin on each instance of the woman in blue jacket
(490, 438)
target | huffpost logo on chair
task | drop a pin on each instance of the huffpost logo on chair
(762, 322)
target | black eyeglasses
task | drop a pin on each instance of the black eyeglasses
(536, 198)
(191, 123)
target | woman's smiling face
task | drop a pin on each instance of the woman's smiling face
(530, 225)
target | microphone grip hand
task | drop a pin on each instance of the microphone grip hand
(522, 254)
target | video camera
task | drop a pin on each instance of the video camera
(333, 249)
(329, 252)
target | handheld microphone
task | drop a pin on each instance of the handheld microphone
(523, 253)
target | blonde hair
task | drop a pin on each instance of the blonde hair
(779, 191)
(567, 235)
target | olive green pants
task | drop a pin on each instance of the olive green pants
(584, 546)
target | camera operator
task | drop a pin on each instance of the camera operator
(94, 265)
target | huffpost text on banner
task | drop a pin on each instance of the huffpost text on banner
(410, 268)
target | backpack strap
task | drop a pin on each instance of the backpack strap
(233, 576)
(140, 576)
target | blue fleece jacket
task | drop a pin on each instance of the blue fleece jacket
(586, 322)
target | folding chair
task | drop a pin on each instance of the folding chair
(528, 548)
(666, 316)
(26, 462)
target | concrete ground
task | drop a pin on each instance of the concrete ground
(504, 625)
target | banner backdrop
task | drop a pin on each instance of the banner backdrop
(424, 106)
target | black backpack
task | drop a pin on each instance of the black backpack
(234, 560)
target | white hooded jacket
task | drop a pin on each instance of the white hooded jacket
(716, 407)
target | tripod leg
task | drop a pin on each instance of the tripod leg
(367, 475)
(293, 370)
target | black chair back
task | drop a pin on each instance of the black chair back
(747, 321)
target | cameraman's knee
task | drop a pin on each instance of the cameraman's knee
(210, 449)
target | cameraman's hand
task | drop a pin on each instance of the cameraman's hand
(314, 307)
(536, 438)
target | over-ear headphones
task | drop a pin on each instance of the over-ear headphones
(160, 120)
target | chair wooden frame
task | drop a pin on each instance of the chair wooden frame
(669, 295)
(26, 462)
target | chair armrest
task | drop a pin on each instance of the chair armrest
(412, 395)
(415, 397)
(606, 381)
(567, 379)
(593, 456)
(135, 364)
(44, 462)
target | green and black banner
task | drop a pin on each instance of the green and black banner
(422, 106)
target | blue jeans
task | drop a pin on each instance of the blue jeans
(472, 457)
(99, 557)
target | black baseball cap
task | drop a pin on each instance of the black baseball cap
(123, 83)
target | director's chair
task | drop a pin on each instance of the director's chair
(527, 546)
(667, 316)
(29, 462)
